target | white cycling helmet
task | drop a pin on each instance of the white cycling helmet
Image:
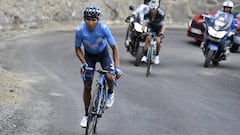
(228, 3)
(153, 4)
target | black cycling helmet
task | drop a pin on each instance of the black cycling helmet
(146, 1)
(92, 11)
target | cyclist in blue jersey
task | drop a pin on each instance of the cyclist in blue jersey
(154, 21)
(94, 36)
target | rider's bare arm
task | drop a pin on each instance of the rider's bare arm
(80, 54)
(115, 55)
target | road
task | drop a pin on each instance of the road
(180, 97)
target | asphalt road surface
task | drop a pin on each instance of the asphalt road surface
(180, 97)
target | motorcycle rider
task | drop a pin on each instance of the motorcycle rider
(136, 16)
(154, 21)
(227, 8)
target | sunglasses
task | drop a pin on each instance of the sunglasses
(154, 8)
(91, 19)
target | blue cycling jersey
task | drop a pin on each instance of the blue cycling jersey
(94, 41)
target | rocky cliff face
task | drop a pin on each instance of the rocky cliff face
(31, 13)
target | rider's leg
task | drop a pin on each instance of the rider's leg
(129, 35)
(110, 96)
(203, 43)
(107, 64)
(88, 82)
(110, 82)
(158, 40)
(145, 48)
(87, 89)
(146, 45)
(86, 100)
(157, 59)
(87, 95)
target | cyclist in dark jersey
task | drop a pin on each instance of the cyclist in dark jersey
(94, 36)
(154, 21)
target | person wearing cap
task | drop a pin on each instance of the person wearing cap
(93, 35)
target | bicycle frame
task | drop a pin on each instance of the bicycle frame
(102, 95)
(98, 102)
(152, 49)
(100, 92)
(151, 53)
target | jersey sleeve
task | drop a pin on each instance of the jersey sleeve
(162, 12)
(78, 37)
(146, 19)
(109, 36)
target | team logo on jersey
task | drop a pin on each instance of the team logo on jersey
(95, 45)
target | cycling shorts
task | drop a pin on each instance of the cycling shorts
(103, 58)
(156, 30)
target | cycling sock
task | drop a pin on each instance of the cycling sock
(157, 52)
(145, 52)
(86, 111)
(110, 91)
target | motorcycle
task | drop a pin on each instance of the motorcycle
(236, 42)
(135, 33)
(220, 30)
(236, 38)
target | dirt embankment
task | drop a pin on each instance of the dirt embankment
(10, 89)
(18, 110)
(12, 96)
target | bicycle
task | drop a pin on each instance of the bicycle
(151, 53)
(98, 101)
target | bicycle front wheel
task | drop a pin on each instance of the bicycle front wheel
(91, 124)
(149, 61)
(92, 112)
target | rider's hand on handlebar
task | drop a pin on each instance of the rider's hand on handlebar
(118, 72)
(83, 68)
(161, 35)
(131, 19)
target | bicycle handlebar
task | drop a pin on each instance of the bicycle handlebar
(100, 71)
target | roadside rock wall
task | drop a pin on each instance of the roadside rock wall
(31, 13)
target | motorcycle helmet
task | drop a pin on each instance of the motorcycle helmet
(92, 11)
(153, 4)
(227, 4)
